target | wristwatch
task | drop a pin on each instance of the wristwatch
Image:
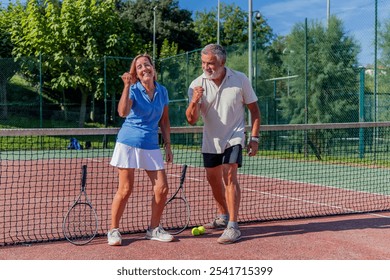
(255, 139)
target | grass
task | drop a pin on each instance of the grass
(379, 159)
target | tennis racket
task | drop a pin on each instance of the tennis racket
(80, 224)
(176, 215)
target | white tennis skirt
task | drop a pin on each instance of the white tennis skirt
(129, 157)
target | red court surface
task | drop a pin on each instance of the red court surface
(347, 237)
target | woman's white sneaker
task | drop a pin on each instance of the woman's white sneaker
(114, 237)
(158, 234)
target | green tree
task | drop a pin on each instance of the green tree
(383, 73)
(384, 45)
(172, 23)
(8, 18)
(5, 35)
(168, 49)
(233, 26)
(332, 74)
(74, 36)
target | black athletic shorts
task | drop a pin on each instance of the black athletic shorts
(230, 155)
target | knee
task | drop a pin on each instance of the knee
(233, 187)
(123, 193)
(161, 190)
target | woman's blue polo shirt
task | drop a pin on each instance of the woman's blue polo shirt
(140, 128)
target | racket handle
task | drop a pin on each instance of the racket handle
(84, 177)
(183, 174)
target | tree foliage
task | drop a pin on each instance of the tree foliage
(74, 36)
(8, 18)
(332, 84)
(5, 35)
(172, 24)
(233, 26)
(384, 45)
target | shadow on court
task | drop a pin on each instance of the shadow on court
(313, 227)
(348, 237)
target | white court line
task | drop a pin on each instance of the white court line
(311, 201)
(299, 199)
(316, 185)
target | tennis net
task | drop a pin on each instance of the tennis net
(300, 171)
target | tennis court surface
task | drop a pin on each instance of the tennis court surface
(341, 237)
(313, 192)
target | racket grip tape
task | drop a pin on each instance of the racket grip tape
(84, 176)
(183, 173)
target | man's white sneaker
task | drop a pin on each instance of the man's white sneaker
(230, 235)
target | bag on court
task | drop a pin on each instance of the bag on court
(74, 144)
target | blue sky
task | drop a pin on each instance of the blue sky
(281, 15)
(357, 16)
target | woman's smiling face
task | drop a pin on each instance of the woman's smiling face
(145, 70)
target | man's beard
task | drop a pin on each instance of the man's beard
(215, 74)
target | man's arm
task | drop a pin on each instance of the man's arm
(253, 144)
(193, 109)
(192, 113)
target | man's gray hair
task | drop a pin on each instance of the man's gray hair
(216, 50)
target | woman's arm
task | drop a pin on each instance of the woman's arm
(165, 127)
(125, 103)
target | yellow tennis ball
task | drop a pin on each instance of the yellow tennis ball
(201, 229)
(195, 231)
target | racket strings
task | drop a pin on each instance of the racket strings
(176, 215)
(80, 224)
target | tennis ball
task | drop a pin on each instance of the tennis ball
(195, 231)
(202, 230)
